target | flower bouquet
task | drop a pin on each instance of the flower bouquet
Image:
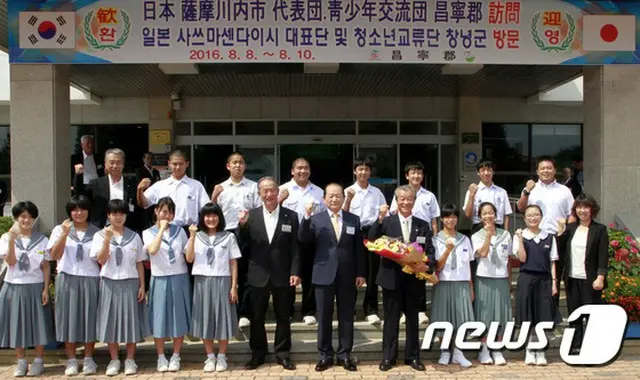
(406, 255)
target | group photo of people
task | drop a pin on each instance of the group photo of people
(171, 260)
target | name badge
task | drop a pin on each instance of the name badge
(131, 207)
(351, 230)
(286, 228)
(421, 240)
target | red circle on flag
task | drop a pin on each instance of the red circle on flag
(608, 33)
(47, 30)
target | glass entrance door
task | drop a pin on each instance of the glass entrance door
(328, 162)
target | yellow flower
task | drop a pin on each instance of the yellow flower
(617, 284)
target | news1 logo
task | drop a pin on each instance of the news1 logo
(602, 338)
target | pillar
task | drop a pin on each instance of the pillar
(470, 125)
(40, 146)
(611, 136)
(160, 121)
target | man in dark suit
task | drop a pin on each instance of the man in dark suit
(271, 234)
(103, 189)
(401, 291)
(146, 171)
(339, 267)
(92, 164)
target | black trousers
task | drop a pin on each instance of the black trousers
(345, 297)
(396, 302)
(307, 254)
(244, 290)
(259, 297)
(579, 293)
(370, 302)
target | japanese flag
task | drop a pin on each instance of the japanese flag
(609, 32)
(47, 30)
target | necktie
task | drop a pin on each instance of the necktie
(495, 260)
(405, 230)
(119, 254)
(79, 252)
(170, 253)
(209, 255)
(23, 262)
(454, 258)
(336, 225)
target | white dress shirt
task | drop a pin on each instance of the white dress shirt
(493, 194)
(160, 265)
(299, 197)
(405, 226)
(237, 197)
(366, 203)
(339, 221)
(116, 189)
(68, 263)
(90, 170)
(270, 221)
(36, 254)
(555, 201)
(426, 206)
(188, 194)
(132, 253)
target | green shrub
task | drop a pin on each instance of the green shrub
(5, 224)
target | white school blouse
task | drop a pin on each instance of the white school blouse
(132, 253)
(36, 252)
(70, 263)
(496, 264)
(160, 264)
(225, 248)
(460, 271)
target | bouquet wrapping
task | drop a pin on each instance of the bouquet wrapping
(404, 254)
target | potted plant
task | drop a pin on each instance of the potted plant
(623, 277)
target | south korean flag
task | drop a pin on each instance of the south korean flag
(47, 30)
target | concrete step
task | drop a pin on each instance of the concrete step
(366, 348)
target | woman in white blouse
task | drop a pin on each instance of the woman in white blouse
(77, 284)
(492, 246)
(586, 243)
(453, 295)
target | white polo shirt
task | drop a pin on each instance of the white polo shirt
(160, 265)
(366, 203)
(299, 198)
(499, 246)
(493, 194)
(132, 253)
(555, 201)
(426, 206)
(69, 263)
(188, 194)
(463, 256)
(237, 197)
(36, 252)
(225, 248)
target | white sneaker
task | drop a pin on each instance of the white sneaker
(445, 357)
(484, 357)
(422, 318)
(221, 365)
(530, 358)
(21, 370)
(373, 319)
(89, 367)
(540, 359)
(36, 369)
(244, 322)
(458, 358)
(174, 364)
(403, 320)
(71, 369)
(498, 359)
(210, 365)
(163, 364)
(113, 368)
(310, 320)
(130, 367)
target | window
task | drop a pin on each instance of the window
(317, 127)
(212, 128)
(255, 128)
(418, 127)
(377, 128)
(514, 149)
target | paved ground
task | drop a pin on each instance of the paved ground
(623, 368)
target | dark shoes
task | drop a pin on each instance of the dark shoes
(415, 364)
(254, 363)
(386, 365)
(287, 364)
(349, 365)
(324, 365)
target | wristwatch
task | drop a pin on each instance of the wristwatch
(526, 192)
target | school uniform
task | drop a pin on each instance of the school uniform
(534, 301)
(170, 292)
(493, 194)
(214, 316)
(24, 322)
(77, 286)
(121, 318)
(491, 286)
(452, 295)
